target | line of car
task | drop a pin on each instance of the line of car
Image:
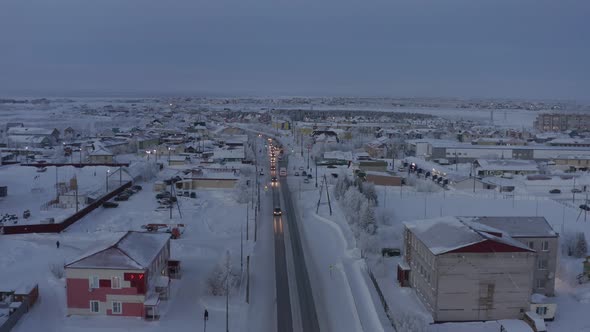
(124, 196)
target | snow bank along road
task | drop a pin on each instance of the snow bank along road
(309, 319)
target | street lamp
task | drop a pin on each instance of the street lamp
(156, 153)
(148, 154)
(169, 149)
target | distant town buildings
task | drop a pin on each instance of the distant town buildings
(562, 122)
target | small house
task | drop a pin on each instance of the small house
(101, 155)
(127, 278)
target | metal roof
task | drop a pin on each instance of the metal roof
(519, 226)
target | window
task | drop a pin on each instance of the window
(545, 246)
(115, 282)
(542, 311)
(94, 306)
(540, 283)
(532, 244)
(93, 282)
(542, 264)
(117, 307)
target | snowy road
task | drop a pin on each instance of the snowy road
(309, 319)
(284, 314)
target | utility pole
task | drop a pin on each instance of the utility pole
(316, 173)
(247, 221)
(241, 250)
(227, 300)
(247, 279)
(574, 191)
(255, 224)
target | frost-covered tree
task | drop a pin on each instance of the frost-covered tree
(368, 221)
(342, 185)
(368, 189)
(581, 246)
(218, 279)
(352, 201)
(242, 193)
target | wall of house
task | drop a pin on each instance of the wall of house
(209, 183)
(483, 286)
(423, 271)
(159, 267)
(79, 294)
(101, 159)
(547, 275)
(381, 180)
(468, 184)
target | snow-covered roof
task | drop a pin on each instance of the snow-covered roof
(445, 234)
(229, 154)
(537, 321)
(134, 250)
(515, 325)
(519, 226)
(507, 165)
(31, 139)
(569, 141)
(101, 151)
(338, 155)
(572, 157)
(29, 131)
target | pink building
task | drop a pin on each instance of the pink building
(128, 278)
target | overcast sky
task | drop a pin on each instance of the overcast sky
(431, 48)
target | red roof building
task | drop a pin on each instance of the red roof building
(128, 278)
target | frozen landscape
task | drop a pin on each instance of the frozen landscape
(209, 178)
(391, 166)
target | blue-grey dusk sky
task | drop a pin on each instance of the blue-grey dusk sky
(424, 48)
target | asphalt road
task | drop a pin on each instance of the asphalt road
(284, 314)
(309, 319)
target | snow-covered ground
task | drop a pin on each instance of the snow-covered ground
(213, 224)
(30, 190)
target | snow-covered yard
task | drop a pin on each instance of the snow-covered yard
(213, 223)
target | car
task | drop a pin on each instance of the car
(193, 195)
(304, 173)
(331, 166)
(585, 207)
(122, 197)
(390, 252)
(277, 211)
(301, 168)
(110, 205)
(180, 193)
(576, 191)
(186, 193)
(163, 194)
(306, 180)
(261, 173)
(273, 168)
(137, 187)
(555, 191)
(273, 180)
(309, 176)
(296, 173)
